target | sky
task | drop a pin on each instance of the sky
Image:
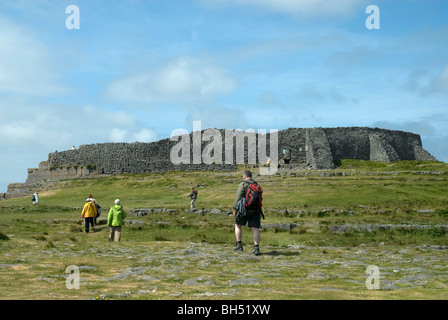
(138, 70)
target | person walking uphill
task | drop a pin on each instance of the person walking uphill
(246, 212)
(97, 206)
(88, 214)
(115, 221)
(193, 196)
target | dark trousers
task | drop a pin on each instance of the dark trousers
(88, 221)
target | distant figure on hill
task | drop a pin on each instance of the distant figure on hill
(35, 198)
(89, 213)
(115, 221)
(193, 196)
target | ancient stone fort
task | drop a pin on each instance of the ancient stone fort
(316, 148)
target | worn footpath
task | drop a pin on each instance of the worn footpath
(174, 270)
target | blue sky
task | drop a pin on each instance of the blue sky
(136, 70)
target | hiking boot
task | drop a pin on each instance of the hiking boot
(256, 251)
(238, 247)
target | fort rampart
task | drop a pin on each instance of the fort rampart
(317, 148)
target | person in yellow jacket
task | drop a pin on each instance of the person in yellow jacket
(88, 214)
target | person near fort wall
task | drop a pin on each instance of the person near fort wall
(35, 198)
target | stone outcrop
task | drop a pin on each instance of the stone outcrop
(316, 148)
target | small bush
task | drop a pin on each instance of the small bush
(90, 166)
(50, 244)
(3, 236)
(298, 230)
(436, 232)
(324, 213)
(75, 229)
(441, 212)
(160, 238)
(39, 238)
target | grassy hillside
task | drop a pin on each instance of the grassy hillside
(322, 229)
(405, 183)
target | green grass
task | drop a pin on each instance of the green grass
(394, 185)
(37, 242)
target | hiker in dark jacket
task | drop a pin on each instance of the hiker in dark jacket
(252, 217)
(193, 196)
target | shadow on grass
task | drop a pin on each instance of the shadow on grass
(280, 253)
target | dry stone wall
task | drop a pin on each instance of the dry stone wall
(321, 147)
(316, 148)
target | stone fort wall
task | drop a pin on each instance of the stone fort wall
(317, 148)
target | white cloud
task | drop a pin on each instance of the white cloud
(268, 99)
(308, 8)
(414, 80)
(18, 133)
(352, 59)
(25, 63)
(440, 83)
(145, 135)
(184, 79)
(118, 135)
(34, 126)
(422, 127)
(123, 135)
(30, 130)
(311, 94)
(421, 82)
(437, 147)
(218, 117)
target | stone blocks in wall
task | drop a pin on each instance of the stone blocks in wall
(314, 147)
(319, 154)
(381, 150)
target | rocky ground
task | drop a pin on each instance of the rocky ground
(167, 270)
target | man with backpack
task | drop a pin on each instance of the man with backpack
(247, 210)
(193, 197)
